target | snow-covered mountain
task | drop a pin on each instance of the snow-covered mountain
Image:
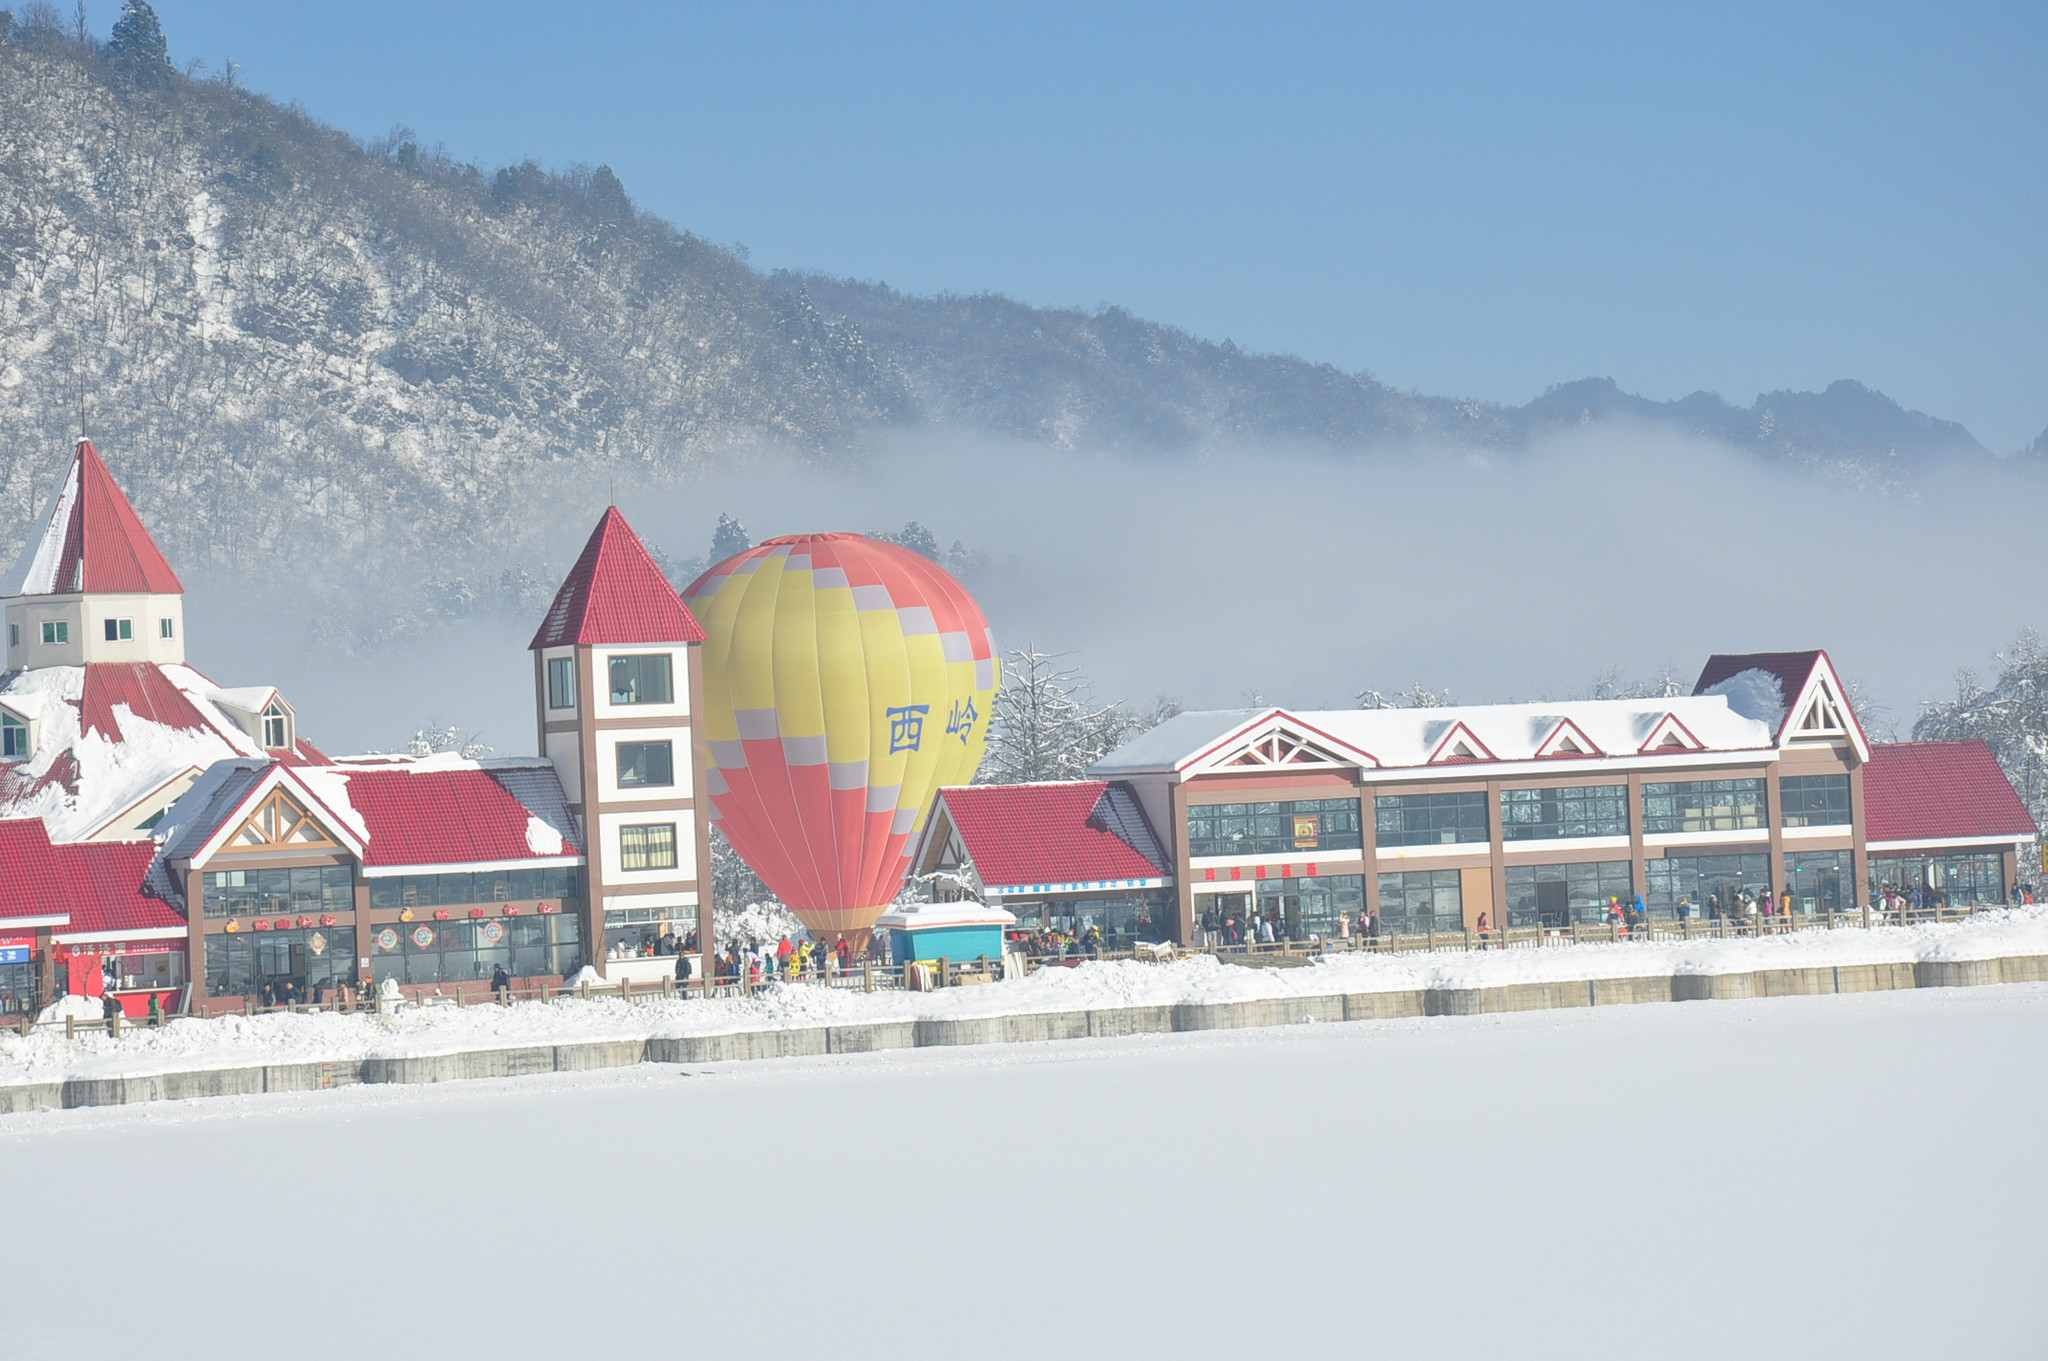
(303, 353)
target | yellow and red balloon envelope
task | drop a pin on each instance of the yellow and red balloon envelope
(845, 679)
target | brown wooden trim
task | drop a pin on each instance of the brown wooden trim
(700, 779)
(1230, 786)
(1638, 849)
(648, 805)
(1496, 843)
(630, 888)
(1859, 850)
(593, 854)
(1183, 876)
(1774, 818)
(195, 939)
(637, 721)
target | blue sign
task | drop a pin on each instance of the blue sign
(906, 727)
(13, 954)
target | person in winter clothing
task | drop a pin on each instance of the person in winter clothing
(110, 1006)
(156, 1010)
(501, 986)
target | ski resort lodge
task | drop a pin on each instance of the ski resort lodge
(1424, 820)
(164, 837)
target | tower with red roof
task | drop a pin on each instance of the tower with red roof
(618, 675)
(91, 585)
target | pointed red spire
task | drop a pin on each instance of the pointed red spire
(615, 594)
(93, 541)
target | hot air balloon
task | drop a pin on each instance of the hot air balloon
(845, 679)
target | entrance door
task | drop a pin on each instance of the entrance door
(1553, 903)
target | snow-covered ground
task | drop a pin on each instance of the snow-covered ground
(1840, 1176)
(243, 1041)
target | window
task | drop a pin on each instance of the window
(13, 738)
(1942, 880)
(651, 846)
(642, 679)
(560, 885)
(646, 764)
(1820, 882)
(277, 727)
(1707, 884)
(1704, 806)
(467, 951)
(166, 629)
(1430, 819)
(1576, 810)
(1814, 800)
(56, 631)
(1419, 901)
(1557, 895)
(120, 630)
(1305, 908)
(281, 892)
(14, 635)
(1273, 828)
(561, 682)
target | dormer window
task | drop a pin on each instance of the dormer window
(120, 630)
(14, 744)
(277, 728)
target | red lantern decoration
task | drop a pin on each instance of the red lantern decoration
(547, 909)
(327, 919)
(478, 912)
(440, 914)
(511, 909)
(261, 923)
(284, 923)
(305, 923)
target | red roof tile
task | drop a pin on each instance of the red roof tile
(99, 542)
(106, 882)
(34, 884)
(1926, 791)
(1079, 832)
(441, 817)
(615, 594)
(143, 688)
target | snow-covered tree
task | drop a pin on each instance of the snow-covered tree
(1047, 724)
(2011, 716)
(728, 538)
(137, 47)
(1414, 697)
(435, 737)
(733, 881)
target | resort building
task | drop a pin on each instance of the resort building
(1424, 820)
(172, 840)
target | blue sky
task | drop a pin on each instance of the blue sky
(1466, 199)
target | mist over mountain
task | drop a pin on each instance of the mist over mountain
(332, 364)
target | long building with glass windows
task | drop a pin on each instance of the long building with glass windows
(1528, 814)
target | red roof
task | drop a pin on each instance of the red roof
(441, 817)
(33, 885)
(1928, 791)
(1793, 669)
(143, 688)
(98, 540)
(615, 594)
(1080, 832)
(106, 882)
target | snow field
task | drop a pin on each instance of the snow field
(326, 1037)
(1841, 1176)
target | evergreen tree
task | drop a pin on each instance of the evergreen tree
(729, 538)
(137, 47)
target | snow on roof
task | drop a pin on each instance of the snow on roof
(1071, 832)
(1934, 791)
(615, 594)
(110, 734)
(1754, 693)
(1413, 737)
(927, 916)
(91, 541)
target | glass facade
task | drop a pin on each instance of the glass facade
(1430, 819)
(1942, 880)
(1555, 896)
(1280, 828)
(17, 988)
(1576, 810)
(467, 951)
(1307, 908)
(642, 679)
(305, 889)
(1422, 900)
(1814, 800)
(1704, 806)
(630, 932)
(562, 884)
(1698, 882)
(1127, 916)
(240, 963)
(1820, 882)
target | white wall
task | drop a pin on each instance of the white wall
(87, 616)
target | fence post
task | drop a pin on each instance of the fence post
(70, 1027)
(867, 975)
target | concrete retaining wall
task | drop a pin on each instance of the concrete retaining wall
(1034, 1026)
